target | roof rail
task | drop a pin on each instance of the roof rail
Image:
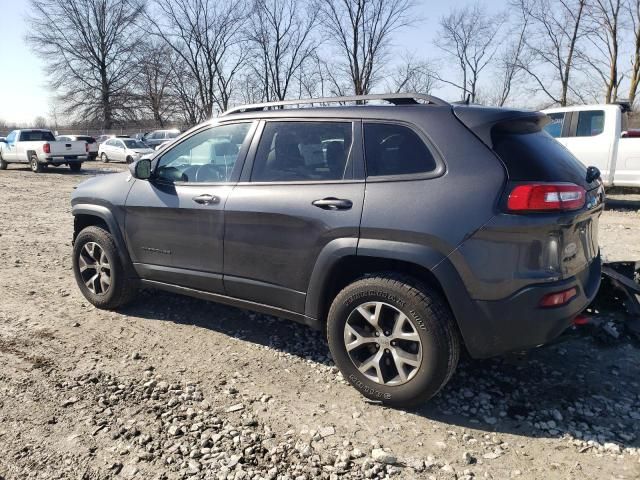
(393, 98)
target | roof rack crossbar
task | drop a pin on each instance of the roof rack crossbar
(393, 98)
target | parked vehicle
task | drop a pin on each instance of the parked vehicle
(157, 137)
(597, 135)
(39, 148)
(476, 229)
(103, 138)
(92, 151)
(122, 150)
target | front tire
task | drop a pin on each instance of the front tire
(99, 271)
(129, 160)
(393, 338)
(104, 157)
(35, 165)
(3, 164)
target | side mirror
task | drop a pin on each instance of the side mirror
(142, 169)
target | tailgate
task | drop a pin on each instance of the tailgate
(67, 148)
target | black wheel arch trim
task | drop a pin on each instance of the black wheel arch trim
(104, 214)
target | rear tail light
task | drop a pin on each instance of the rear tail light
(545, 197)
(86, 147)
(558, 299)
(46, 148)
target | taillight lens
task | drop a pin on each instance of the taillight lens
(544, 197)
(86, 147)
(46, 148)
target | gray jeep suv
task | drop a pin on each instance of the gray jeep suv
(405, 231)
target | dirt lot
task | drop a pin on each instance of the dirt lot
(173, 387)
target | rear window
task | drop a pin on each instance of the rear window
(395, 150)
(531, 155)
(37, 136)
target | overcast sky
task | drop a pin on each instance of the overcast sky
(24, 92)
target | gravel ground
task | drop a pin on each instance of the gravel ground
(173, 387)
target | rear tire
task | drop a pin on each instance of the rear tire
(3, 164)
(36, 166)
(99, 271)
(75, 167)
(104, 157)
(378, 326)
(129, 160)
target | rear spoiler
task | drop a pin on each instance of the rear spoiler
(482, 120)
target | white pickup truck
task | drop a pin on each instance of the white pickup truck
(597, 135)
(39, 148)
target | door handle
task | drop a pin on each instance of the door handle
(206, 199)
(332, 203)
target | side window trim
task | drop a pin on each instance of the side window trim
(357, 152)
(439, 171)
(237, 168)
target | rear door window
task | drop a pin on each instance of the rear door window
(555, 126)
(392, 150)
(590, 123)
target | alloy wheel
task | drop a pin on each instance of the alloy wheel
(383, 343)
(95, 269)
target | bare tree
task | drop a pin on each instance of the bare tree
(206, 36)
(605, 35)
(551, 45)
(412, 75)
(508, 63)
(470, 36)
(634, 14)
(280, 33)
(154, 80)
(362, 31)
(87, 45)
(40, 122)
(313, 78)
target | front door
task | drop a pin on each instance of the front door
(299, 194)
(175, 221)
(9, 150)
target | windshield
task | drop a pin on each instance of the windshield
(134, 144)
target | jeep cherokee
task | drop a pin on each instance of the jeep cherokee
(406, 231)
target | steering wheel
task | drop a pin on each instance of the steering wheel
(208, 173)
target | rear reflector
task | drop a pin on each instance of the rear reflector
(545, 197)
(559, 298)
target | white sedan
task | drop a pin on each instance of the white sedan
(122, 150)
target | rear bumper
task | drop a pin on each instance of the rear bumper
(518, 323)
(60, 160)
(495, 327)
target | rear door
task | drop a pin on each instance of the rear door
(302, 188)
(589, 142)
(175, 221)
